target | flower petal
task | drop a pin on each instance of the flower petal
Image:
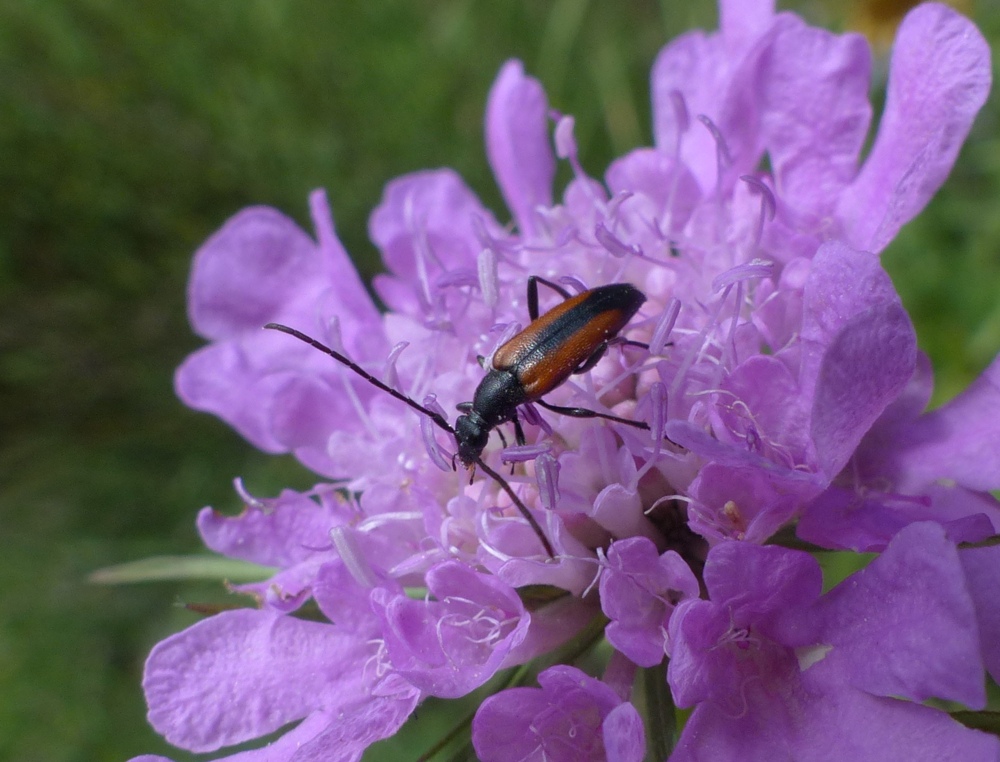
(960, 441)
(982, 570)
(426, 225)
(842, 284)
(863, 371)
(244, 275)
(457, 641)
(713, 76)
(913, 602)
(518, 145)
(225, 379)
(283, 531)
(938, 80)
(361, 723)
(816, 112)
(560, 721)
(865, 520)
(745, 19)
(829, 726)
(624, 734)
(245, 673)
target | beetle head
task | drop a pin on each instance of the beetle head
(471, 437)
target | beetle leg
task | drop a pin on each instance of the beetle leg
(591, 361)
(582, 412)
(518, 431)
(630, 343)
(533, 281)
(519, 437)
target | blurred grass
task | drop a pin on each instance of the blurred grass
(131, 132)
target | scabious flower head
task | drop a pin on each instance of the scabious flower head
(781, 387)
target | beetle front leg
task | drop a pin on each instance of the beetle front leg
(518, 431)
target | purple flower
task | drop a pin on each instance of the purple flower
(777, 671)
(242, 674)
(290, 533)
(782, 387)
(571, 717)
(913, 465)
(454, 643)
(639, 589)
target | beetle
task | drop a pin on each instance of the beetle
(568, 339)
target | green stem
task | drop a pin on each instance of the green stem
(661, 716)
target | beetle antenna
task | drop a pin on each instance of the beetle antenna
(520, 506)
(437, 418)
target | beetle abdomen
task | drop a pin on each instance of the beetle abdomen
(547, 352)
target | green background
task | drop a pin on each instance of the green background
(130, 131)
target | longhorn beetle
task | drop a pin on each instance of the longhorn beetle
(568, 339)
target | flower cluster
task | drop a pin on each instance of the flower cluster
(782, 387)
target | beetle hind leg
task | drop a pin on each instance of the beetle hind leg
(582, 412)
(630, 343)
(533, 281)
(591, 361)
